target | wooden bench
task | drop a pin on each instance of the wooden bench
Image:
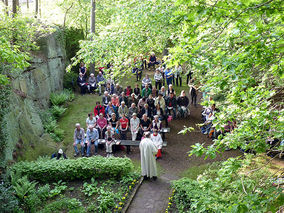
(164, 131)
(128, 143)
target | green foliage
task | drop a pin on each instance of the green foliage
(50, 126)
(64, 205)
(5, 92)
(59, 98)
(90, 189)
(23, 187)
(69, 80)
(72, 37)
(16, 41)
(71, 169)
(8, 202)
(134, 29)
(226, 189)
(59, 187)
(234, 49)
(57, 111)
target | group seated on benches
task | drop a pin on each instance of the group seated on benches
(124, 111)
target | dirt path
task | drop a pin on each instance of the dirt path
(152, 196)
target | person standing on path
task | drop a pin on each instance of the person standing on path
(148, 162)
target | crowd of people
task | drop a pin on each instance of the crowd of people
(130, 110)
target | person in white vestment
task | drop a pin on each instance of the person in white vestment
(148, 161)
(158, 141)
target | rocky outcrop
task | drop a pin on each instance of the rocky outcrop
(31, 91)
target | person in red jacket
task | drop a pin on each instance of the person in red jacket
(99, 109)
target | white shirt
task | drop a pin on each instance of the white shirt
(157, 140)
(91, 122)
(134, 124)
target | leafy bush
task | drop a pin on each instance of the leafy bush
(69, 80)
(64, 205)
(58, 189)
(225, 190)
(57, 111)
(59, 98)
(8, 202)
(70, 169)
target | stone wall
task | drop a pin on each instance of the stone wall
(30, 95)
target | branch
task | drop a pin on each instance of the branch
(245, 10)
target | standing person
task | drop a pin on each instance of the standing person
(100, 82)
(148, 162)
(158, 79)
(158, 141)
(193, 94)
(92, 139)
(79, 138)
(123, 126)
(134, 126)
(169, 76)
(83, 69)
(178, 73)
(188, 76)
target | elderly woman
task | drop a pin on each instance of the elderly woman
(156, 124)
(91, 83)
(183, 103)
(109, 110)
(134, 126)
(101, 125)
(115, 100)
(91, 120)
(123, 109)
(146, 80)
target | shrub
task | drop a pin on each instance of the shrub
(8, 202)
(71, 169)
(64, 205)
(69, 80)
(59, 98)
(57, 111)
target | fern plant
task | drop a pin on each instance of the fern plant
(23, 187)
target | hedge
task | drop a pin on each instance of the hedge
(71, 169)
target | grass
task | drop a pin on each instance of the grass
(195, 171)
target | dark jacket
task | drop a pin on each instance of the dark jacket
(104, 98)
(171, 102)
(183, 101)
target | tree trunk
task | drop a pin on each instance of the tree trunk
(36, 8)
(39, 8)
(28, 6)
(15, 5)
(92, 29)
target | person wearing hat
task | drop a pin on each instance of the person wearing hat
(147, 152)
(109, 137)
(134, 126)
(158, 141)
(91, 83)
(59, 154)
(79, 138)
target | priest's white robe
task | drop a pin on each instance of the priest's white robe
(148, 161)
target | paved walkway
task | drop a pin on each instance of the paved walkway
(152, 196)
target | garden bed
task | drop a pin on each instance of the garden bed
(94, 184)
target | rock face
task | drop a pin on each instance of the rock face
(30, 96)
